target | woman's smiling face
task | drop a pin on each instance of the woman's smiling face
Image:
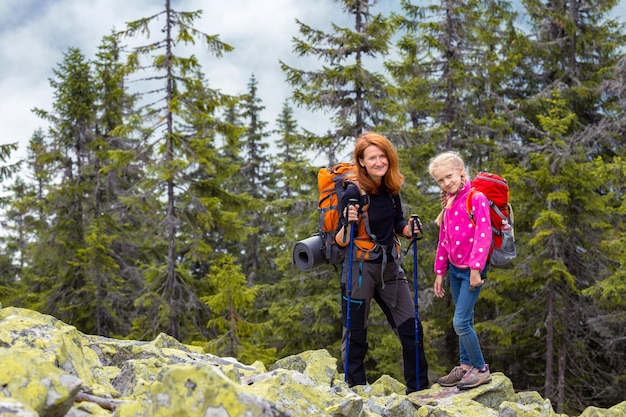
(375, 163)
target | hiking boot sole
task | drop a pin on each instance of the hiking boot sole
(464, 387)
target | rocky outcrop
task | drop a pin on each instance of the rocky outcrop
(49, 369)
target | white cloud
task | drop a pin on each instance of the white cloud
(34, 35)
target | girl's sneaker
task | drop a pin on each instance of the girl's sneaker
(453, 377)
(475, 377)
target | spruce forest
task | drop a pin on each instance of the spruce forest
(156, 203)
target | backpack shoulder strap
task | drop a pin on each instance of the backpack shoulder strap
(492, 206)
(470, 206)
(364, 202)
(363, 195)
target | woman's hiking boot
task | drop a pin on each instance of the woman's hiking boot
(475, 377)
(455, 375)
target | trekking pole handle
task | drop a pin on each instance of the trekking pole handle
(419, 234)
(352, 202)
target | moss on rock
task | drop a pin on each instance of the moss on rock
(50, 369)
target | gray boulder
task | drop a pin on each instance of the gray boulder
(49, 369)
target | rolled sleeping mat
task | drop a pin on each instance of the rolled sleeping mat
(307, 253)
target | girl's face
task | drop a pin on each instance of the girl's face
(449, 178)
(375, 163)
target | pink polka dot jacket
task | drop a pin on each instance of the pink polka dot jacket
(460, 243)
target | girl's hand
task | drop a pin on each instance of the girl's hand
(438, 287)
(475, 279)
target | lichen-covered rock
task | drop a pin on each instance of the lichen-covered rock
(294, 392)
(58, 343)
(349, 406)
(393, 405)
(244, 375)
(448, 402)
(618, 410)
(317, 364)
(384, 386)
(136, 377)
(203, 390)
(31, 379)
(49, 369)
(463, 407)
(11, 407)
(87, 409)
(527, 404)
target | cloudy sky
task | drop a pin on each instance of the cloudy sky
(34, 35)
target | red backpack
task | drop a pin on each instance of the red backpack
(496, 189)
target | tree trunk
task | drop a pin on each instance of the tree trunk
(560, 403)
(549, 384)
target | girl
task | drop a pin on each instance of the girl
(376, 271)
(462, 253)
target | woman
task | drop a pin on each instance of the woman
(462, 253)
(376, 271)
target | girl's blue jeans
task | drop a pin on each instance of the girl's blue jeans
(464, 300)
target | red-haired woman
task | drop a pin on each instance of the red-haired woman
(376, 270)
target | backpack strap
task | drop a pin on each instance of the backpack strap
(492, 206)
(502, 216)
(364, 202)
(469, 206)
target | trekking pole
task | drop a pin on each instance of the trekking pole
(416, 236)
(351, 202)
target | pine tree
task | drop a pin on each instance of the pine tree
(7, 170)
(563, 261)
(94, 270)
(254, 180)
(290, 158)
(289, 299)
(25, 219)
(454, 62)
(254, 145)
(293, 200)
(12, 246)
(566, 127)
(231, 302)
(603, 330)
(181, 129)
(69, 152)
(345, 87)
(112, 249)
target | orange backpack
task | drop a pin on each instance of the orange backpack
(332, 185)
